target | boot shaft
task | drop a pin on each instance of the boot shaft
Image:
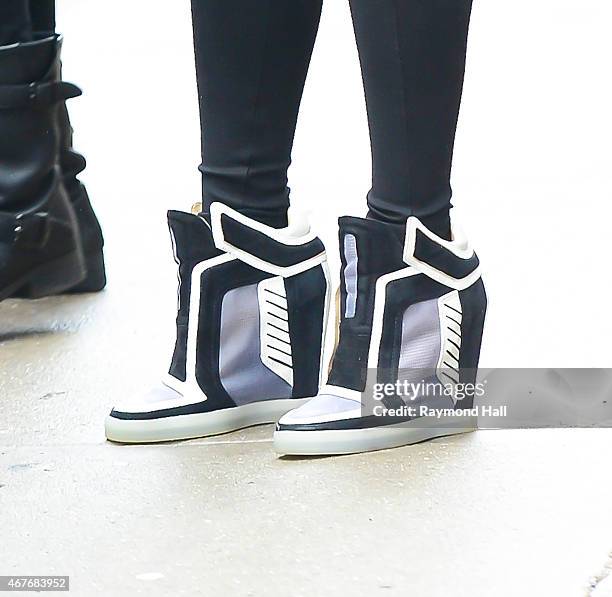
(30, 94)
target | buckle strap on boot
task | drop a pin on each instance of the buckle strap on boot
(281, 252)
(29, 230)
(452, 263)
(37, 94)
(33, 230)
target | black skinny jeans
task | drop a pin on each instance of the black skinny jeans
(20, 19)
(252, 58)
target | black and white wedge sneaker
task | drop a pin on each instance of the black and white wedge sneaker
(412, 314)
(253, 303)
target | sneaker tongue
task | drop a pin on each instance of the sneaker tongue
(379, 246)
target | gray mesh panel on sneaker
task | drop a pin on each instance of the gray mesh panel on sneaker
(350, 275)
(420, 348)
(243, 375)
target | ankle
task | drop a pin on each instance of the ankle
(438, 223)
(274, 219)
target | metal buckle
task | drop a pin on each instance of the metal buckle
(33, 91)
(24, 227)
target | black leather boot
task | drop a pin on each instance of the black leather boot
(404, 370)
(72, 164)
(40, 245)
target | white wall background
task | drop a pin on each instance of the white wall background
(532, 173)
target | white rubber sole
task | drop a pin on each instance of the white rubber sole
(352, 441)
(198, 425)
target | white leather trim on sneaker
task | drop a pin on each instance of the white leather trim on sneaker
(328, 291)
(276, 355)
(190, 389)
(297, 233)
(459, 246)
(449, 312)
(351, 441)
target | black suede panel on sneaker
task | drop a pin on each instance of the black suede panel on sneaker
(306, 302)
(192, 243)
(379, 249)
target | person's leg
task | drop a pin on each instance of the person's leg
(15, 22)
(413, 59)
(43, 15)
(251, 60)
(412, 301)
(253, 299)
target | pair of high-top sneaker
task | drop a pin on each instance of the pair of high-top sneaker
(50, 238)
(250, 335)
